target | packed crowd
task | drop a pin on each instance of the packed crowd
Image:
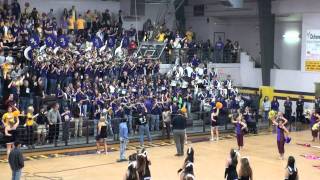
(90, 79)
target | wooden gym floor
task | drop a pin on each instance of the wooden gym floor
(210, 158)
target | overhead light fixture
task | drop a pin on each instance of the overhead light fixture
(291, 36)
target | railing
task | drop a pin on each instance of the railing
(63, 134)
(184, 55)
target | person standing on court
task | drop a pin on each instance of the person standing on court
(16, 161)
(123, 134)
(143, 127)
(288, 110)
(178, 128)
(299, 109)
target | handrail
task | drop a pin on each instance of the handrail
(276, 66)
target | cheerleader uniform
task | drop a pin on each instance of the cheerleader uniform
(147, 173)
(214, 120)
(11, 139)
(293, 173)
(314, 130)
(280, 140)
(244, 178)
(231, 172)
(239, 133)
(103, 133)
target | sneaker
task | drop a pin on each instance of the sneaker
(122, 160)
(211, 139)
(98, 152)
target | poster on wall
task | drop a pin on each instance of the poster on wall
(312, 53)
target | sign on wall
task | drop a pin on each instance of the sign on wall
(312, 53)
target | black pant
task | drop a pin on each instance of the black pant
(37, 100)
(299, 114)
(53, 132)
(66, 130)
(30, 135)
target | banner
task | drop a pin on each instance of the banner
(34, 41)
(63, 41)
(50, 40)
(312, 53)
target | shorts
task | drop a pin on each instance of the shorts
(314, 133)
(41, 129)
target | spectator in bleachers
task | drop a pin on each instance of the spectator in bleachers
(92, 76)
(235, 51)
(15, 9)
(80, 25)
(71, 23)
(190, 34)
(227, 49)
(218, 50)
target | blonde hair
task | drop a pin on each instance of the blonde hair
(30, 109)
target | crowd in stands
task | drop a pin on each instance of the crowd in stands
(88, 81)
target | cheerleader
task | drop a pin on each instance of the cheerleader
(10, 122)
(186, 172)
(214, 123)
(29, 124)
(240, 126)
(231, 166)
(291, 170)
(281, 130)
(102, 135)
(245, 172)
(143, 164)
(314, 125)
(315, 130)
(132, 173)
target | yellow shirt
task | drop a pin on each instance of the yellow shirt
(8, 117)
(6, 68)
(80, 23)
(30, 120)
(189, 35)
(161, 37)
(70, 23)
(315, 127)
